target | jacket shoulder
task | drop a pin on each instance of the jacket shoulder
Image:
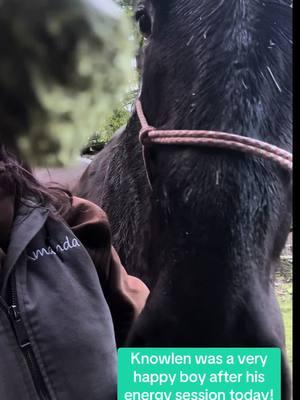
(90, 225)
(84, 211)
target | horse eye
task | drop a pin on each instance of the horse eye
(144, 20)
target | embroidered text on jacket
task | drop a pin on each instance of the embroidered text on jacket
(67, 245)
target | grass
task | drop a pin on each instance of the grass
(284, 291)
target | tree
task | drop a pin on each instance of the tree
(121, 113)
(63, 67)
(129, 4)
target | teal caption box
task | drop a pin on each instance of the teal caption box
(199, 374)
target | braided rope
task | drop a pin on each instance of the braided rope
(149, 135)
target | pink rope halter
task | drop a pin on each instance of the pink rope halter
(149, 135)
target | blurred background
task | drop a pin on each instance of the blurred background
(120, 115)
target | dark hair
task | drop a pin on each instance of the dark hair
(16, 179)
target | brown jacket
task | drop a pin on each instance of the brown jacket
(125, 294)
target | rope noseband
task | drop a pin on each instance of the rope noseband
(150, 135)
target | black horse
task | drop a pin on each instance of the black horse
(208, 237)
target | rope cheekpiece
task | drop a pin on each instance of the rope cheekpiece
(151, 135)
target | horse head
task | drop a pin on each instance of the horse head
(208, 234)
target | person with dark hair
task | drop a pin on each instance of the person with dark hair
(56, 281)
(66, 301)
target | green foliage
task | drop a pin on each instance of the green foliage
(128, 7)
(121, 114)
(110, 125)
(115, 120)
(119, 117)
(129, 4)
(64, 65)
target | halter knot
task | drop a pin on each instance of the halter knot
(144, 135)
